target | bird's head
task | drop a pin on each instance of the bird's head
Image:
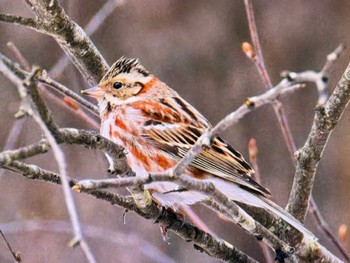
(125, 79)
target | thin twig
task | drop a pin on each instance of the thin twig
(325, 228)
(60, 159)
(320, 80)
(258, 60)
(19, 56)
(18, 20)
(125, 241)
(16, 256)
(40, 111)
(213, 246)
(253, 155)
(52, 83)
(66, 91)
(195, 219)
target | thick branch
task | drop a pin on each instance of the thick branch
(308, 157)
(53, 21)
(319, 78)
(94, 23)
(311, 249)
(207, 243)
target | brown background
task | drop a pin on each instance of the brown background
(194, 46)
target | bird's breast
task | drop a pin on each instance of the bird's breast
(124, 127)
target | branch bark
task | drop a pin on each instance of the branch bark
(203, 241)
(326, 118)
(52, 20)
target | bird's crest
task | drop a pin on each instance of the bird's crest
(125, 65)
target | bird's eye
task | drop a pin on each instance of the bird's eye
(117, 85)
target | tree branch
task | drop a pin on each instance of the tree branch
(213, 246)
(33, 105)
(53, 21)
(18, 20)
(308, 157)
(118, 238)
(16, 255)
(95, 22)
(319, 78)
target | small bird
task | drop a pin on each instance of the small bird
(157, 128)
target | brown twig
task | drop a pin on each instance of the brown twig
(35, 107)
(57, 86)
(195, 219)
(44, 78)
(320, 79)
(19, 56)
(16, 255)
(253, 155)
(258, 60)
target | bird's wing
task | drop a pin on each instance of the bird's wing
(175, 135)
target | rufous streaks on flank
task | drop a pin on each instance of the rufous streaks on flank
(120, 124)
(141, 157)
(110, 130)
(164, 162)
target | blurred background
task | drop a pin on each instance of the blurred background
(194, 46)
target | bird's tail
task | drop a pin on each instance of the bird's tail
(241, 195)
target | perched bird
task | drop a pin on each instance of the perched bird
(157, 128)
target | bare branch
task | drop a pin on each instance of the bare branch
(53, 21)
(94, 23)
(18, 20)
(116, 237)
(222, 204)
(213, 246)
(22, 74)
(308, 157)
(331, 59)
(253, 154)
(319, 78)
(16, 256)
(44, 78)
(35, 107)
(320, 81)
(258, 60)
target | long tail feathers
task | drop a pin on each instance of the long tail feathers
(238, 194)
(166, 194)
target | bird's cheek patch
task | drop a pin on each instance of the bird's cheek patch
(137, 89)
